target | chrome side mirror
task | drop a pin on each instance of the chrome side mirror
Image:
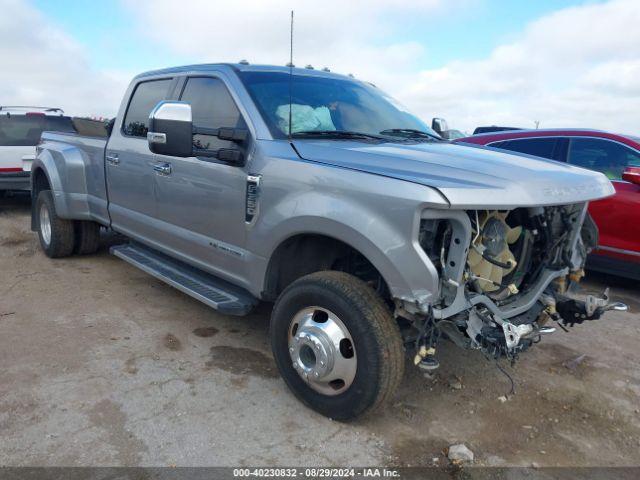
(439, 125)
(171, 129)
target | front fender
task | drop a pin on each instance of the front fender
(388, 242)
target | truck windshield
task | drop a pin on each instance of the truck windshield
(325, 104)
(25, 130)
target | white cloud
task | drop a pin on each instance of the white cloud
(41, 65)
(347, 36)
(577, 67)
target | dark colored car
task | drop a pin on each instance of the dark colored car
(493, 128)
(618, 157)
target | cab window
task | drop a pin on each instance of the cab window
(144, 99)
(604, 156)
(212, 107)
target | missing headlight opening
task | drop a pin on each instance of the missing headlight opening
(505, 277)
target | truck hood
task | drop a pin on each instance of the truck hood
(468, 176)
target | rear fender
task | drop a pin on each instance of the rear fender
(66, 175)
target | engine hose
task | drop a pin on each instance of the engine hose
(497, 263)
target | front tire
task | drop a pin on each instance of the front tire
(336, 344)
(56, 234)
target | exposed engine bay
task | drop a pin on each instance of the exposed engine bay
(506, 276)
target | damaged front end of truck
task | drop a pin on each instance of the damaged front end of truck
(507, 278)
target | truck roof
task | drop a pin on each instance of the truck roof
(241, 67)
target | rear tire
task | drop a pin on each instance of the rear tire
(56, 234)
(371, 336)
(87, 239)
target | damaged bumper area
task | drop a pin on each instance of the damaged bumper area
(506, 276)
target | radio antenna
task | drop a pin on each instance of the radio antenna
(290, 74)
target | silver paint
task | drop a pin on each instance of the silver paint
(369, 196)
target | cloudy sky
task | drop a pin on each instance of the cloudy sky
(564, 63)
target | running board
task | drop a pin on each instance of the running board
(213, 291)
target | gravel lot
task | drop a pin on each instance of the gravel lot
(104, 365)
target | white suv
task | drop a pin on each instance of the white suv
(20, 130)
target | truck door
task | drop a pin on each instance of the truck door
(129, 165)
(201, 201)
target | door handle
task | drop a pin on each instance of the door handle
(112, 158)
(162, 168)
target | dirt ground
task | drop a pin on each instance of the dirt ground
(100, 364)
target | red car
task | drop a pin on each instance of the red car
(618, 157)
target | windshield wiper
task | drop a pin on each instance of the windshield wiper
(338, 134)
(409, 133)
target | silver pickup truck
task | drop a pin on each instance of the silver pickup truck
(318, 192)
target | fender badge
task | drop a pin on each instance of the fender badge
(252, 197)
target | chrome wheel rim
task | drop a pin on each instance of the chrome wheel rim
(322, 350)
(45, 224)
